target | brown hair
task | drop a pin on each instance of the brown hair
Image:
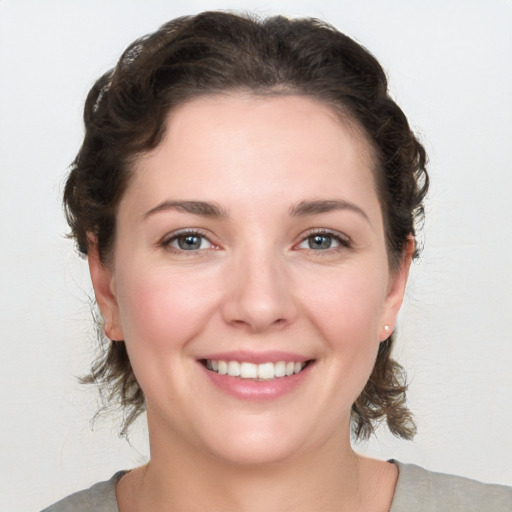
(214, 52)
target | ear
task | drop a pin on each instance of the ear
(103, 283)
(396, 291)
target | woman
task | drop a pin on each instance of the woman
(246, 195)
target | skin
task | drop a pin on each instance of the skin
(257, 283)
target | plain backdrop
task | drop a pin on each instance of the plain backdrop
(450, 68)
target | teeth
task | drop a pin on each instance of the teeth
(222, 367)
(234, 369)
(264, 371)
(280, 369)
(248, 371)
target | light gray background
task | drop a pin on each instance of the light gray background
(449, 64)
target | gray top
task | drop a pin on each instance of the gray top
(417, 490)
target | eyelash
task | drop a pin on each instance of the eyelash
(342, 240)
(167, 241)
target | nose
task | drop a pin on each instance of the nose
(260, 294)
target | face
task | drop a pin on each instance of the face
(250, 279)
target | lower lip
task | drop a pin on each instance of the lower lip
(252, 389)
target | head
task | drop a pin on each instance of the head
(211, 54)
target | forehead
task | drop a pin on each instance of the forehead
(247, 142)
(282, 112)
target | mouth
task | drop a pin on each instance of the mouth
(263, 371)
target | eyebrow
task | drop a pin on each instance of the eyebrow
(202, 208)
(323, 206)
(213, 210)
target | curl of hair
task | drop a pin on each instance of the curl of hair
(219, 52)
(383, 397)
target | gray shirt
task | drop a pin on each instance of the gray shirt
(417, 490)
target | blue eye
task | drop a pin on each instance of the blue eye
(323, 242)
(188, 242)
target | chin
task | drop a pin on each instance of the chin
(262, 442)
(257, 452)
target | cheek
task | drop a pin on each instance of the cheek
(348, 305)
(162, 308)
(161, 311)
(346, 311)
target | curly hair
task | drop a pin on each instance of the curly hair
(216, 52)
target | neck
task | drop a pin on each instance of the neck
(328, 478)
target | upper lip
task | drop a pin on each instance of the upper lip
(257, 357)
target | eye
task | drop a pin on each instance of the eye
(323, 241)
(187, 241)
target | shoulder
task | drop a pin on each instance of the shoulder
(425, 491)
(101, 497)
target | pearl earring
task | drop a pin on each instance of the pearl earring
(386, 328)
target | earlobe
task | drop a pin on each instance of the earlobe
(396, 290)
(102, 282)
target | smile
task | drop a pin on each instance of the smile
(263, 371)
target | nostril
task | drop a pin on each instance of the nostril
(258, 304)
(255, 324)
